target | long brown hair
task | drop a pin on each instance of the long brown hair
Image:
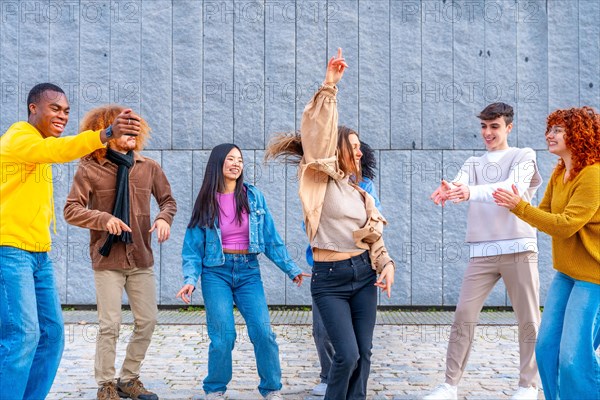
(101, 117)
(288, 145)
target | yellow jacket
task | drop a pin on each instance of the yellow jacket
(570, 213)
(26, 193)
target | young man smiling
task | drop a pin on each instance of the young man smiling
(501, 246)
(31, 325)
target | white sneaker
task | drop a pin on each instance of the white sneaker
(320, 389)
(526, 393)
(274, 395)
(443, 392)
(215, 396)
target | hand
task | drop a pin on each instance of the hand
(460, 193)
(440, 195)
(504, 198)
(126, 123)
(335, 69)
(386, 279)
(115, 226)
(298, 279)
(162, 228)
(185, 293)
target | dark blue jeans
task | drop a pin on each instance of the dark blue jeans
(346, 297)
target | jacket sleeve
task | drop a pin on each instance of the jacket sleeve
(275, 248)
(161, 190)
(581, 207)
(192, 255)
(319, 133)
(76, 211)
(35, 149)
(370, 236)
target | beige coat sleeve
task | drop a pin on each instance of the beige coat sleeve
(318, 132)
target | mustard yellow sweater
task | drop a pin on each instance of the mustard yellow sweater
(570, 213)
(26, 193)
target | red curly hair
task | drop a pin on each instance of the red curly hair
(582, 136)
(100, 117)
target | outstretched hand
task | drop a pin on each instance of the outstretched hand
(335, 68)
(460, 193)
(440, 195)
(506, 199)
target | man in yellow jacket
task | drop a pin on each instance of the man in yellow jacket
(31, 325)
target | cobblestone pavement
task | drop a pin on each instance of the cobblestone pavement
(408, 357)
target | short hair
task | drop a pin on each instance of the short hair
(496, 110)
(36, 93)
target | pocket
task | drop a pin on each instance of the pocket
(253, 264)
(104, 200)
(320, 275)
(142, 201)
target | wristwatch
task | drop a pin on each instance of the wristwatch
(108, 132)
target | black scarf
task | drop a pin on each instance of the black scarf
(121, 208)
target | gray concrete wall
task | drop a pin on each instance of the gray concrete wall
(206, 72)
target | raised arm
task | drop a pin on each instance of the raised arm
(65, 149)
(320, 118)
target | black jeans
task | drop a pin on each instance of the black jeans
(346, 297)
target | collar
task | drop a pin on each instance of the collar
(136, 157)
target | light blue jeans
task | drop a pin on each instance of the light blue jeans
(568, 337)
(239, 281)
(31, 325)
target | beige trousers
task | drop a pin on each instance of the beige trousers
(141, 290)
(520, 274)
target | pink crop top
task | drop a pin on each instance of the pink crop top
(234, 236)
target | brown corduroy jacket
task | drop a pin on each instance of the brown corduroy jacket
(91, 200)
(319, 130)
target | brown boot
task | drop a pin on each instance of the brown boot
(108, 391)
(134, 389)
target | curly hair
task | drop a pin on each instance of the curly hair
(582, 136)
(100, 117)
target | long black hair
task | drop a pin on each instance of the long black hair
(368, 162)
(206, 207)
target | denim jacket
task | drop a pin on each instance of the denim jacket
(203, 246)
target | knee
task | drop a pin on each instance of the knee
(347, 358)
(54, 335)
(145, 324)
(261, 334)
(21, 338)
(546, 344)
(222, 338)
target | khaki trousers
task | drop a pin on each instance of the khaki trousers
(520, 274)
(141, 290)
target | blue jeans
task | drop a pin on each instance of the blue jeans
(322, 343)
(346, 296)
(568, 337)
(31, 325)
(239, 281)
